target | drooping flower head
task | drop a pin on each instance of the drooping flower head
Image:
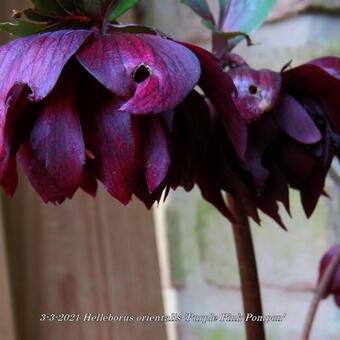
(286, 128)
(84, 98)
(292, 135)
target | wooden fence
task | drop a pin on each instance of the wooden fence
(86, 256)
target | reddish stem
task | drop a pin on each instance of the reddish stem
(319, 294)
(250, 286)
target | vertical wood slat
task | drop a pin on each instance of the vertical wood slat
(6, 312)
(86, 256)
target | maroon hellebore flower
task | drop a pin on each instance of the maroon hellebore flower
(292, 134)
(189, 127)
(81, 104)
(334, 285)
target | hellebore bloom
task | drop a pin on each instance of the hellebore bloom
(334, 286)
(78, 105)
(292, 123)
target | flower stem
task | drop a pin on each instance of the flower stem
(250, 286)
(320, 291)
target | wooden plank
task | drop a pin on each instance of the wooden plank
(6, 311)
(86, 256)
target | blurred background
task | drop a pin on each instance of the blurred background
(99, 257)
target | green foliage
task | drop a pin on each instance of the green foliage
(201, 8)
(237, 19)
(120, 8)
(24, 28)
(243, 15)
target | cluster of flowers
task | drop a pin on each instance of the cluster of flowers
(83, 104)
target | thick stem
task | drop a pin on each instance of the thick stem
(250, 286)
(320, 291)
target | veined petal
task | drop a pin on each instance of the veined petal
(219, 88)
(110, 140)
(156, 152)
(39, 177)
(54, 156)
(35, 61)
(257, 91)
(148, 73)
(296, 122)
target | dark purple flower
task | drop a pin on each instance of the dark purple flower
(334, 285)
(292, 133)
(76, 105)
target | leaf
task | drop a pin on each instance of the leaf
(136, 29)
(55, 7)
(226, 40)
(243, 15)
(24, 28)
(120, 8)
(201, 8)
(48, 7)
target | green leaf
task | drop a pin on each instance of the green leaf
(48, 7)
(223, 4)
(132, 28)
(229, 38)
(201, 8)
(23, 28)
(55, 7)
(243, 15)
(120, 8)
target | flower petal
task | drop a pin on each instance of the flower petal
(10, 177)
(276, 191)
(156, 152)
(89, 183)
(35, 61)
(190, 136)
(262, 136)
(314, 81)
(308, 177)
(296, 122)
(219, 87)
(330, 64)
(148, 73)
(15, 104)
(257, 91)
(39, 177)
(143, 193)
(110, 139)
(54, 156)
(334, 284)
